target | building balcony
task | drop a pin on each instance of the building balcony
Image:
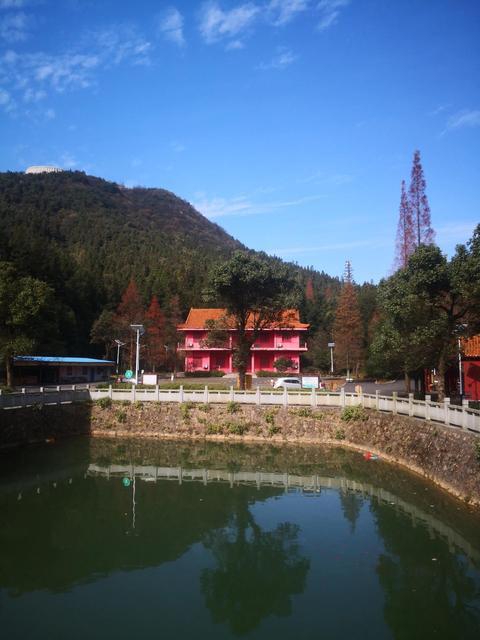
(195, 346)
(279, 347)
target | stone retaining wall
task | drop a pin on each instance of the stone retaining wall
(447, 456)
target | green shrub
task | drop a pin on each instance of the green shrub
(138, 404)
(104, 403)
(204, 407)
(185, 410)
(339, 434)
(270, 417)
(304, 412)
(273, 429)
(236, 428)
(204, 374)
(121, 416)
(477, 451)
(214, 429)
(233, 407)
(352, 414)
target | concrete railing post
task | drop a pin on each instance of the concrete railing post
(110, 391)
(410, 404)
(205, 395)
(258, 398)
(134, 393)
(377, 400)
(342, 398)
(428, 399)
(157, 393)
(313, 398)
(464, 414)
(180, 393)
(285, 397)
(446, 413)
(394, 402)
(232, 396)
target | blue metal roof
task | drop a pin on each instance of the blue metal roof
(61, 360)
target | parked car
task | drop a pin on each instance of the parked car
(287, 383)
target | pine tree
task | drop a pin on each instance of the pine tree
(405, 232)
(173, 319)
(419, 207)
(309, 292)
(155, 335)
(347, 328)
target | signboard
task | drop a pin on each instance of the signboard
(310, 382)
(331, 345)
(150, 378)
(128, 374)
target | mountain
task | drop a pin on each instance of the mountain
(88, 237)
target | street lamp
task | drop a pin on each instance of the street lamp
(331, 346)
(139, 328)
(119, 344)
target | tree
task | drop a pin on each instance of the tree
(347, 328)
(405, 232)
(427, 303)
(418, 204)
(254, 293)
(104, 331)
(173, 319)
(129, 311)
(283, 364)
(27, 315)
(155, 334)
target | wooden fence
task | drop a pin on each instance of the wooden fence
(444, 412)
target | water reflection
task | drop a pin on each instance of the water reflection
(246, 545)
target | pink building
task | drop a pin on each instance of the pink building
(283, 340)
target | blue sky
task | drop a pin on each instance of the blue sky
(290, 123)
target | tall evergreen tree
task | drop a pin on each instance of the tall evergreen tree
(418, 201)
(347, 328)
(405, 232)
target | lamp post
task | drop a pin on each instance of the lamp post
(139, 328)
(119, 344)
(331, 346)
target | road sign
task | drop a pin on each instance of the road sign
(128, 374)
(126, 482)
(310, 382)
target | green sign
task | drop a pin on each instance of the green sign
(126, 482)
(128, 374)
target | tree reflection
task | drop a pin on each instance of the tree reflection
(428, 589)
(256, 573)
(351, 506)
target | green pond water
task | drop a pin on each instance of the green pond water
(128, 539)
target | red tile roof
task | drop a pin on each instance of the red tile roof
(471, 347)
(197, 317)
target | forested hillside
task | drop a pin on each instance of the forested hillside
(87, 238)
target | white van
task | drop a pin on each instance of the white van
(287, 383)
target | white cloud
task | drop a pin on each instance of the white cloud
(14, 27)
(329, 12)
(11, 4)
(281, 60)
(216, 24)
(243, 206)
(334, 246)
(177, 146)
(462, 119)
(280, 12)
(171, 26)
(33, 75)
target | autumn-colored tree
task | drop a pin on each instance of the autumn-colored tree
(418, 203)
(129, 311)
(347, 328)
(309, 292)
(155, 335)
(405, 232)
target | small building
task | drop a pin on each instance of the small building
(45, 370)
(470, 366)
(285, 339)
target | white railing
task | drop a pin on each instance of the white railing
(47, 395)
(444, 412)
